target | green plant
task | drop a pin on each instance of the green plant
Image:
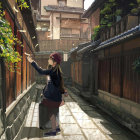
(109, 24)
(135, 7)
(118, 12)
(138, 1)
(134, 10)
(107, 14)
(22, 4)
(136, 65)
(96, 30)
(8, 40)
(107, 9)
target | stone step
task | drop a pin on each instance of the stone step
(28, 123)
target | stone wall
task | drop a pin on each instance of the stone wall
(16, 114)
(2, 125)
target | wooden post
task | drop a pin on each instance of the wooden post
(121, 70)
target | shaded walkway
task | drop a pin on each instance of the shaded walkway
(78, 121)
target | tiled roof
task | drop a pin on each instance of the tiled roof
(63, 9)
(80, 46)
(93, 45)
(90, 46)
(123, 36)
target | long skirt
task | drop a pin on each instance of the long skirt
(48, 108)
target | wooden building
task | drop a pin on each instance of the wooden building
(16, 87)
(60, 26)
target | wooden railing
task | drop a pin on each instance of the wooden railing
(119, 27)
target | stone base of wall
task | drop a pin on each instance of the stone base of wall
(122, 110)
(78, 90)
(16, 114)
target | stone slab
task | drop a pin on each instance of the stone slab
(86, 124)
(80, 116)
(67, 119)
(70, 129)
(94, 134)
(74, 137)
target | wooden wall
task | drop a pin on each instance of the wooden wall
(116, 74)
(21, 79)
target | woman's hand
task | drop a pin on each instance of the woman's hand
(30, 59)
(41, 95)
(66, 94)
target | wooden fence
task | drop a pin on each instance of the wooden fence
(116, 76)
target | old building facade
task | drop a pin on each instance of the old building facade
(61, 20)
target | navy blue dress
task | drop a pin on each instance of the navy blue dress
(56, 79)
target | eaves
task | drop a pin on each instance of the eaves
(134, 32)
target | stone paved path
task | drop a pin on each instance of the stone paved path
(78, 121)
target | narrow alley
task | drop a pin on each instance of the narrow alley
(78, 121)
(87, 49)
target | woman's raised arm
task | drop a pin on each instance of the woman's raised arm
(38, 69)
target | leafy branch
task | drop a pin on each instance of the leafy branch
(96, 30)
(22, 4)
(135, 7)
(107, 15)
(8, 40)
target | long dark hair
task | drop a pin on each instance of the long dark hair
(58, 69)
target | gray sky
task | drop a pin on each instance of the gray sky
(87, 4)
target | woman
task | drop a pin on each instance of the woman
(53, 90)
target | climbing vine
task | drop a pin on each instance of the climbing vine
(96, 30)
(8, 40)
(136, 65)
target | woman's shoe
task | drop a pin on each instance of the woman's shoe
(58, 130)
(50, 134)
(42, 128)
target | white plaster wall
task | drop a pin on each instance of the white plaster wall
(56, 26)
(51, 30)
(46, 3)
(69, 16)
(75, 3)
